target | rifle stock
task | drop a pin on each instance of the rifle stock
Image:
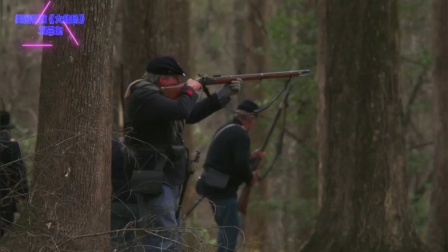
(244, 199)
(245, 194)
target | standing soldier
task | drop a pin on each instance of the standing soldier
(157, 109)
(13, 184)
(227, 166)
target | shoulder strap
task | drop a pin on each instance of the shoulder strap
(177, 127)
(148, 85)
(223, 128)
(140, 83)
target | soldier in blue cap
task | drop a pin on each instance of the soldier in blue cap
(157, 108)
(13, 184)
(227, 166)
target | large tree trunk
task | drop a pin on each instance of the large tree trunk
(152, 28)
(155, 28)
(364, 200)
(438, 222)
(71, 181)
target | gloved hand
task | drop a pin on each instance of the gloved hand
(230, 89)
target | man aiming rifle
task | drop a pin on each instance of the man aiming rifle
(157, 108)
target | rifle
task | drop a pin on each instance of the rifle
(245, 195)
(184, 186)
(174, 91)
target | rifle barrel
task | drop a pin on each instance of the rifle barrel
(256, 76)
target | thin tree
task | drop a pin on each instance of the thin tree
(71, 186)
(364, 204)
(438, 223)
(251, 41)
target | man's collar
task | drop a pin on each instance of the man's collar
(236, 121)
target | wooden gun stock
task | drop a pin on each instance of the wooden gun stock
(245, 194)
(244, 199)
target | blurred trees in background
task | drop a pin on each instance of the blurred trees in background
(231, 36)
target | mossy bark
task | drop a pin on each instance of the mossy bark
(363, 198)
(437, 236)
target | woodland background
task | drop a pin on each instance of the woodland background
(226, 37)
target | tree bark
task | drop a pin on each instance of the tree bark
(117, 73)
(437, 239)
(364, 198)
(156, 28)
(253, 53)
(321, 104)
(71, 181)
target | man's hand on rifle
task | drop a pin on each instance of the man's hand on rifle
(258, 154)
(194, 84)
(230, 89)
(255, 177)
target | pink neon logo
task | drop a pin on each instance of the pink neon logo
(48, 4)
(71, 34)
(37, 45)
(50, 45)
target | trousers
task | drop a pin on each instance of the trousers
(123, 219)
(6, 220)
(226, 216)
(160, 228)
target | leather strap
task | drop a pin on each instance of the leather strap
(148, 85)
(223, 128)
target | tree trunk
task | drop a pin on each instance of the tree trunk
(321, 104)
(155, 28)
(71, 181)
(117, 73)
(438, 230)
(253, 52)
(364, 198)
(152, 28)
